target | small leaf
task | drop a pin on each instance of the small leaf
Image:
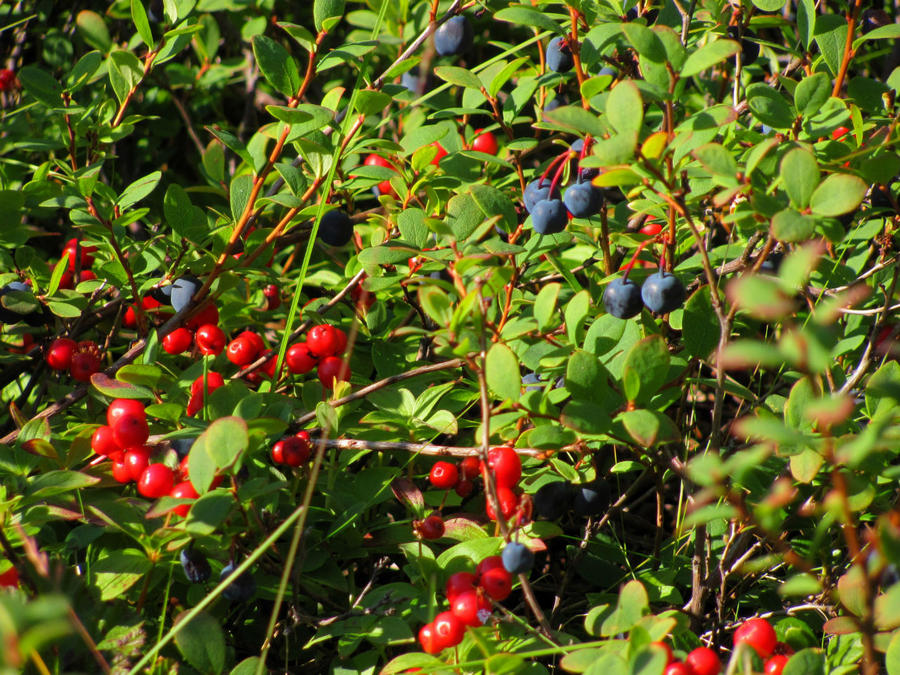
(139, 16)
(528, 16)
(118, 389)
(645, 42)
(326, 13)
(436, 304)
(458, 76)
(624, 107)
(42, 85)
(577, 119)
(93, 29)
(838, 194)
(545, 305)
(201, 642)
(502, 372)
(276, 65)
(139, 189)
(811, 94)
(769, 106)
(800, 176)
(708, 56)
(225, 439)
(792, 226)
(646, 367)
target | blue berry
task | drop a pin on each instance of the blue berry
(622, 298)
(410, 81)
(453, 37)
(549, 216)
(336, 228)
(196, 566)
(534, 193)
(583, 200)
(532, 382)
(182, 445)
(556, 102)
(591, 499)
(662, 292)
(183, 290)
(241, 589)
(517, 558)
(559, 56)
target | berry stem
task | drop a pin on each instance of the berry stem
(556, 177)
(588, 140)
(551, 165)
(637, 252)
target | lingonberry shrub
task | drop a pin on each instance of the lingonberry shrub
(626, 272)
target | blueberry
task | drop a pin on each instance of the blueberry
(182, 445)
(662, 292)
(772, 263)
(549, 216)
(411, 81)
(584, 174)
(453, 37)
(559, 56)
(556, 102)
(162, 294)
(583, 200)
(241, 589)
(535, 193)
(517, 558)
(879, 196)
(591, 499)
(531, 382)
(622, 298)
(183, 290)
(552, 500)
(196, 566)
(336, 228)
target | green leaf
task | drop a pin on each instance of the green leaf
(646, 367)
(709, 55)
(577, 119)
(892, 657)
(502, 372)
(632, 606)
(59, 482)
(624, 108)
(241, 187)
(811, 94)
(139, 189)
(889, 32)
(93, 30)
(372, 102)
(116, 389)
(585, 376)
(769, 5)
(208, 511)
(458, 76)
(521, 15)
(831, 36)
(326, 13)
(806, 21)
(648, 427)
(769, 106)
(141, 23)
(42, 85)
(645, 42)
(760, 296)
(792, 226)
(225, 439)
(576, 313)
(545, 305)
(118, 571)
(800, 176)
(717, 160)
(185, 219)
(700, 329)
(288, 115)
(805, 662)
(838, 194)
(201, 642)
(436, 304)
(276, 65)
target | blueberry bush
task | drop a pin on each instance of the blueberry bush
(501, 336)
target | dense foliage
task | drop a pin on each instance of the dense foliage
(298, 298)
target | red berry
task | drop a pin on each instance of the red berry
(85, 361)
(448, 630)
(485, 141)
(299, 360)
(124, 407)
(273, 297)
(506, 465)
(459, 582)
(291, 450)
(428, 640)
(384, 187)
(210, 339)
(840, 132)
(241, 352)
(84, 253)
(178, 341)
(7, 79)
(156, 481)
(471, 607)
(59, 353)
(136, 460)
(509, 501)
(444, 475)
(9, 578)
(213, 382)
(362, 297)
(704, 661)
(208, 315)
(195, 403)
(464, 488)
(331, 368)
(441, 152)
(183, 468)
(470, 467)
(254, 339)
(324, 340)
(651, 228)
(496, 582)
(759, 634)
(667, 649)
(120, 472)
(776, 664)
(129, 431)
(782, 648)
(488, 563)
(430, 528)
(184, 490)
(678, 668)
(103, 442)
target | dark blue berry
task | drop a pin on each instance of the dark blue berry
(662, 292)
(556, 102)
(453, 37)
(559, 56)
(410, 81)
(336, 228)
(241, 589)
(622, 298)
(583, 200)
(549, 216)
(532, 382)
(196, 566)
(584, 174)
(182, 445)
(552, 500)
(591, 499)
(534, 193)
(517, 558)
(183, 290)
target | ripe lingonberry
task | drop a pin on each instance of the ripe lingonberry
(291, 450)
(208, 315)
(678, 668)
(178, 341)
(704, 661)
(120, 473)
(506, 466)
(428, 640)
(509, 501)
(448, 629)
(471, 607)
(496, 582)
(273, 297)
(129, 431)
(156, 481)
(431, 527)
(124, 407)
(485, 141)
(776, 664)
(183, 490)
(331, 368)
(103, 442)
(464, 488)
(459, 582)
(759, 634)
(241, 352)
(59, 353)
(384, 187)
(444, 475)
(84, 254)
(667, 649)
(299, 360)
(7, 79)
(489, 563)
(9, 578)
(254, 339)
(85, 361)
(470, 467)
(136, 460)
(324, 340)
(210, 339)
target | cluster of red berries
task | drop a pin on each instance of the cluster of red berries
(201, 331)
(81, 359)
(700, 661)
(759, 634)
(504, 465)
(123, 440)
(321, 350)
(292, 450)
(75, 252)
(469, 595)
